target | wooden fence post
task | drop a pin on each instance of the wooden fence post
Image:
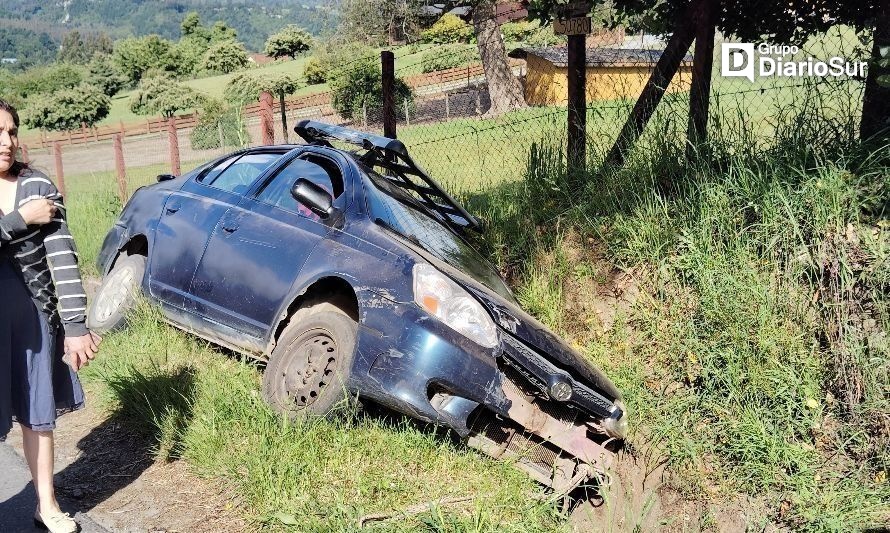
(60, 174)
(388, 67)
(121, 168)
(702, 64)
(173, 140)
(655, 88)
(576, 151)
(266, 126)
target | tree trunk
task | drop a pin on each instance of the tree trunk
(876, 100)
(504, 89)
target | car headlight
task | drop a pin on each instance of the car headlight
(446, 300)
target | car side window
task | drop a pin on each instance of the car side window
(278, 191)
(238, 175)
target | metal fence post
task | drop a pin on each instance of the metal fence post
(174, 146)
(25, 158)
(60, 174)
(222, 137)
(407, 118)
(388, 69)
(120, 168)
(281, 102)
(266, 126)
(447, 107)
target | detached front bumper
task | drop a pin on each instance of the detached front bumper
(500, 400)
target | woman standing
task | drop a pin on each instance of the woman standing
(42, 317)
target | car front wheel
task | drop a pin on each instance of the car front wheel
(117, 295)
(309, 368)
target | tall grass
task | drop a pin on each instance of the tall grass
(757, 356)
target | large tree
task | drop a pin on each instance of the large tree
(504, 89)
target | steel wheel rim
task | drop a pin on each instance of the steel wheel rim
(311, 367)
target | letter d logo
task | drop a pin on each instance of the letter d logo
(737, 60)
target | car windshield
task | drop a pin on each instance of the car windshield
(403, 213)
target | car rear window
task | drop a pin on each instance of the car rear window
(238, 174)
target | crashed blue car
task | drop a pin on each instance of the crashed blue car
(349, 272)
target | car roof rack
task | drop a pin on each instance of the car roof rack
(392, 155)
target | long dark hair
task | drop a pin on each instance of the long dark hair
(18, 166)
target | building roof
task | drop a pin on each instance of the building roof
(596, 57)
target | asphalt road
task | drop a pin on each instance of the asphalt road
(18, 501)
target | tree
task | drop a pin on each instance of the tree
(80, 49)
(244, 88)
(68, 109)
(289, 42)
(134, 56)
(225, 57)
(504, 89)
(162, 95)
(105, 76)
(48, 79)
(222, 32)
(378, 22)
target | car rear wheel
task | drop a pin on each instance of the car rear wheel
(117, 294)
(309, 368)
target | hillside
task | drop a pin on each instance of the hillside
(254, 21)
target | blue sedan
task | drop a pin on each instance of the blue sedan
(349, 273)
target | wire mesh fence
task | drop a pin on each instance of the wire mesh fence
(447, 121)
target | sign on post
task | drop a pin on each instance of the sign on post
(573, 26)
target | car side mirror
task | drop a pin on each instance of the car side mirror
(165, 177)
(318, 200)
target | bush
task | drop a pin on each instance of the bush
(448, 57)
(162, 95)
(359, 87)
(449, 29)
(314, 72)
(516, 32)
(217, 121)
(68, 109)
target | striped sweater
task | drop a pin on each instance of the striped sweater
(46, 255)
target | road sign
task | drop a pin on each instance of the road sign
(573, 26)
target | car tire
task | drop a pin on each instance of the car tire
(117, 295)
(308, 371)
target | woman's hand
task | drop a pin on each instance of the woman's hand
(38, 212)
(81, 350)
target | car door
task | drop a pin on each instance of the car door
(254, 256)
(188, 219)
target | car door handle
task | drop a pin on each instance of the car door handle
(230, 229)
(172, 209)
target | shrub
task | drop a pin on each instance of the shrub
(520, 31)
(245, 88)
(448, 57)
(359, 87)
(219, 122)
(448, 30)
(314, 71)
(164, 96)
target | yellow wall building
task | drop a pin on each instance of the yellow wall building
(612, 73)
